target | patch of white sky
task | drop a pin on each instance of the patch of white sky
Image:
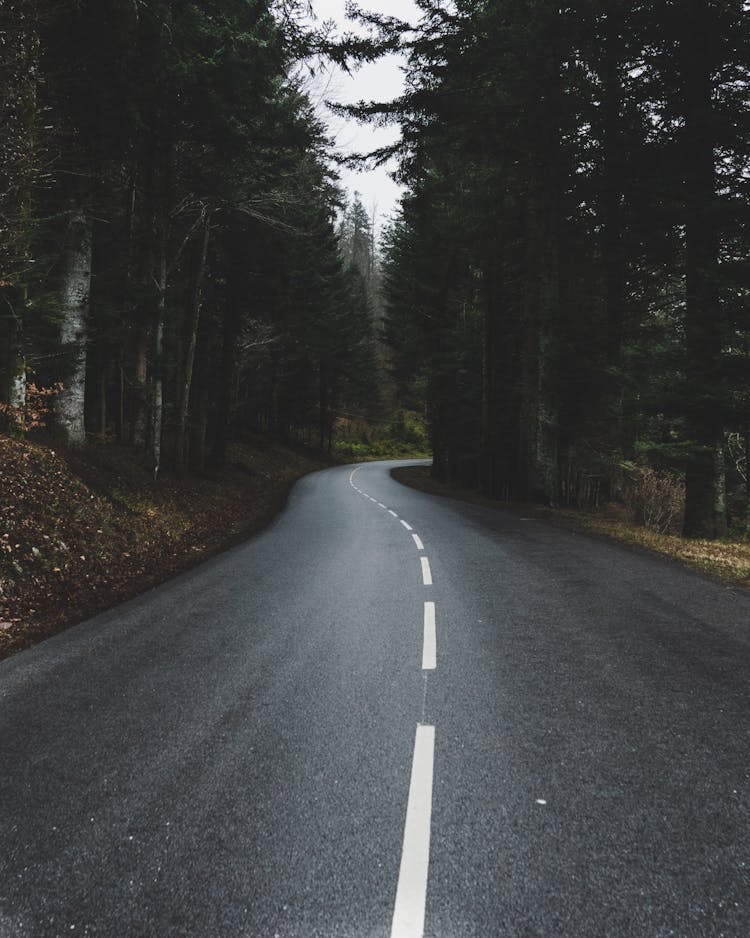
(376, 81)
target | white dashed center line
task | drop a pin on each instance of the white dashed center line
(411, 893)
(429, 648)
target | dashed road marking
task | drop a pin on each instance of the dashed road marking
(411, 892)
(429, 647)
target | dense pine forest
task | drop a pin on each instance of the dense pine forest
(568, 279)
(563, 294)
(178, 262)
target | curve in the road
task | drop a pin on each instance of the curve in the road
(411, 892)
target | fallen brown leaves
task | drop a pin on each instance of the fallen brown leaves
(80, 534)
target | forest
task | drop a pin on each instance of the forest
(178, 261)
(568, 279)
(563, 293)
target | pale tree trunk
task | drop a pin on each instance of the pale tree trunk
(76, 287)
(191, 337)
(12, 365)
(15, 391)
(20, 165)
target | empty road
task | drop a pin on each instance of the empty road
(387, 715)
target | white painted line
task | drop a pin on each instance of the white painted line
(429, 649)
(390, 512)
(411, 893)
(381, 505)
(417, 541)
(426, 573)
(407, 526)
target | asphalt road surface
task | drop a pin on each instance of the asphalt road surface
(388, 715)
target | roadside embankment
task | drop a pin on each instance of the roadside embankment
(81, 533)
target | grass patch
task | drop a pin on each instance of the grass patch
(403, 436)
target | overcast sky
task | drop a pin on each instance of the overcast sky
(380, 81)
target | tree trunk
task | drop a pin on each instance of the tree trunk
(157, 383)
(140, 395)
(499, 456)
(200, 392)
(14, 392)
(76, 287)
(705, 510)
(232, 326)
(538, 454)
(549, 305)
(613, 255)
(19, 164)
(192, 338)
(323, 406)
(102, 400)
(529, 383)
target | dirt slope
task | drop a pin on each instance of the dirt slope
(78, 534)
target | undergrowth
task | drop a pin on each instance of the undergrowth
(403, 436)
